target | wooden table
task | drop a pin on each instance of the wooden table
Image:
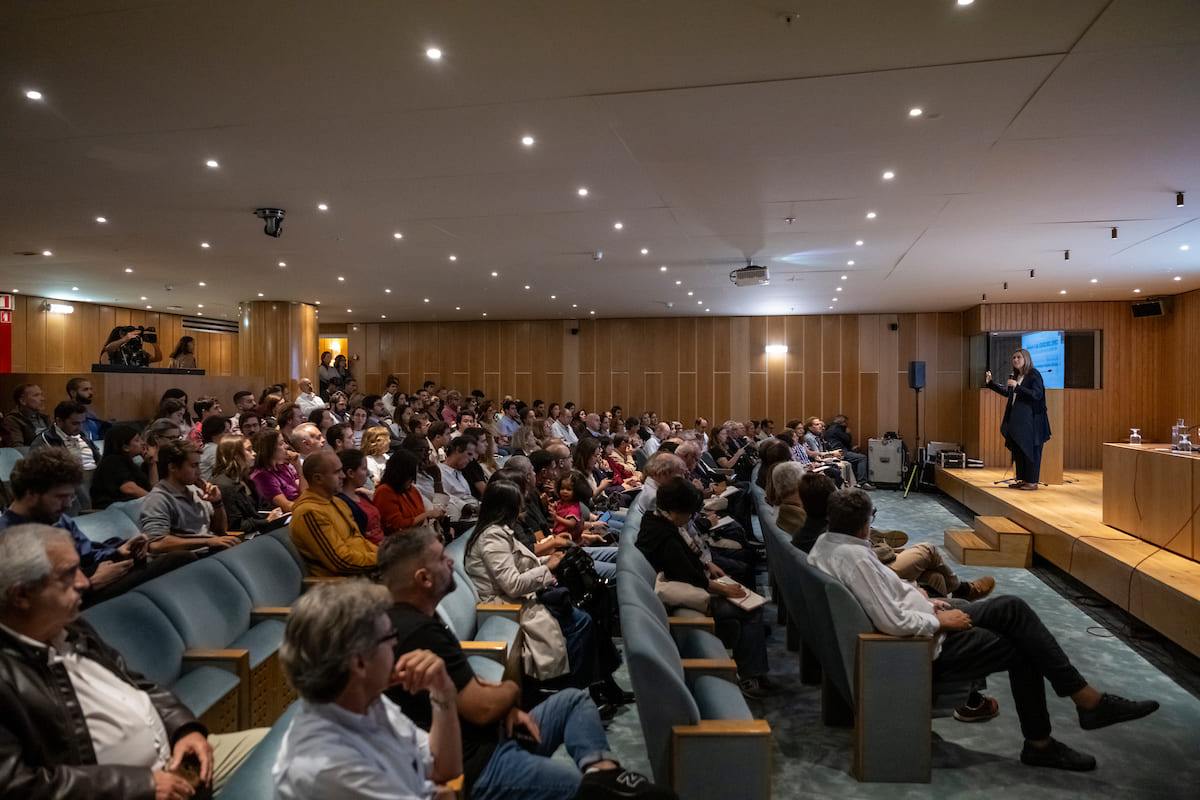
(1153, 493)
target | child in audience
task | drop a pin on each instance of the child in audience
(568, 514)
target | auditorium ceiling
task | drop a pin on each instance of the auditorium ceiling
(708, 134)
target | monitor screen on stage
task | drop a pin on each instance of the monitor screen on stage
(1049, 354)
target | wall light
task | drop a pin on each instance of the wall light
(57, 308)
(776, 349)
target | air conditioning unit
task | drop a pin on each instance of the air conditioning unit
(751, 275)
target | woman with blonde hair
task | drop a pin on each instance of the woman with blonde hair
(375, 447)
(1025, 426)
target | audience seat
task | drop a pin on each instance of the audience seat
(111, 523)
(488, 632)
(131, 509)
(266, 570)
(252, 780)
(151, 645)
(9, 456)
(211, 609)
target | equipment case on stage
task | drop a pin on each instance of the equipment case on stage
(885, 461)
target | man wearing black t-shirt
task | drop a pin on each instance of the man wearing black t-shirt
(506, 751)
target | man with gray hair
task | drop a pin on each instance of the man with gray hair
(308, 400)
(659, 468)
(347, 740)
(75, 723)
(307, 439)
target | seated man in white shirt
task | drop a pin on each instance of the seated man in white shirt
(67, 432)
(971, 640)
(308, 400)
(77, 723)
(347, 741)
(306, 440)
(562, 428)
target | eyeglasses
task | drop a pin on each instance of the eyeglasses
(874, 511)
(390, 636)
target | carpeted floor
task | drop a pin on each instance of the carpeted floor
(1157, 757)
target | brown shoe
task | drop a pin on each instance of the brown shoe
(1017, 485)
(895, 538)
(1029, 487)
(981, 588)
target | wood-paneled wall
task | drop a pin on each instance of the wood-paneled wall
(71, 343)
(278, 339)
(700, 366)
(1140, 384)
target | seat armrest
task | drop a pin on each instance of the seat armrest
(699, 623)
(720, 667)
(261, 613)
(496, 651)
(235, 661)
(507, 610)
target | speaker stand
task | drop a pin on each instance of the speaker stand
(914, 470)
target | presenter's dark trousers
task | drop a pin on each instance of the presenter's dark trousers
(1029, 467)
(1006, 634)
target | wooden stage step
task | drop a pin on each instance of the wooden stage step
(995, 542)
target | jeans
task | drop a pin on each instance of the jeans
(742, 632)
(604, 559)
(1006, 634)
(859, 462)
(568, 717)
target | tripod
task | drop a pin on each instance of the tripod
(915, 468)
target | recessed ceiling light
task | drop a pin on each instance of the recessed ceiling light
(453, 258)
(844, 277)
(707, 310)
(433, 54)
(915, 112)
(690, 294)
(149, 306)
(341, 277)
(574, 305)
(212, 163)
(553, 297)
(129, 269)
(591, 312)
(1185, 247)
(283, 263)
(317, 302)
(527, 287)
(1178, 278)
(839, 288)
(662, 268)
(101, 220)
(858, 243)
(678, 283)
(426, 299)
(1062, 291)
(349, 310)
(495, 274)
(887, 176)
(618, 225)
(205, 245)
(458, 308)
(74, 288)
(871, 215)
(33, 94)
(322, 207)
(260, 294)
(200, 305)
(582, 191)
(527, 141)
(18, 291)
(699, 302)
(202, 283)
(485, 313)
(383, 316)
(831, 308)
(47, 253)
(834, 299)
(387, 291)
(1094, 280)
(965, 2)
(145, 298)
(1137, 291)
(397, 235)
(850, 263)
(645, 251)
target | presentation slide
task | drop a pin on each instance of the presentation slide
(1049, 353)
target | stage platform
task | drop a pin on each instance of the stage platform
(1157, 586)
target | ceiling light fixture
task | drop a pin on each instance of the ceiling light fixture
(965, 2)
(1177, 278)
(74, 288)
(260, 294)
(426, 299)
(662, 268)
(145, 298)
(592, 313)
(1066, 255)
(1114, 233)
(341, 277)
(858, 243)
(1137, 291)
(1032, 274)
(397, 235)
(205, 245)
(887, 176)
(645, 251)
(699, 302)
(618, 225)
(553, 297)
(349, 310)
(527, 287)
(1185, 247)
(283, 263)
(47, 253)
(844, 277)
(129, 269)
(33, 94)
(202, 283)
(707, 310)
(1179, 199)
(495, 274)
(871, 215)
(690, 294)
(101, 220)
(915, 112)
(1094, 280)
(433, 54)
(387, 291)
(527, 141)
(850, 263)
(1062, 291)
(212, 163)
(582, 191)
(383, 316)
(458, 308)
(322, 207)
(200, 305)
(775, 349)
(678, 283)
(838, 289)
(453, 257)
(485, 313)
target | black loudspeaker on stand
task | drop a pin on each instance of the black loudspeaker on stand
(916, 382)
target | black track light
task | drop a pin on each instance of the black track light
(1114, 233)
(1179, 199)
(1006, 286)
(1066, 255)
(1032, 273)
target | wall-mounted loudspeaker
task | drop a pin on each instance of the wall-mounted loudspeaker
(1149, 308)
(916, 374)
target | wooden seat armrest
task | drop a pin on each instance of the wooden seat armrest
(509, 610)
(720, 667)
(887, 637)
(237, 661)
(269, 612)
(701, 623)
(724, 727)
(496, 651)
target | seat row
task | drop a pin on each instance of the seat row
(701, 737)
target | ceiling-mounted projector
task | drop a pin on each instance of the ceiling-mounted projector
(751, 275)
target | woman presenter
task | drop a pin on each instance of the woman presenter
(1025, 427)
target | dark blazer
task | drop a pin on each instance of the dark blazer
(46, 749)
(1025, 425)
(668, 553)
